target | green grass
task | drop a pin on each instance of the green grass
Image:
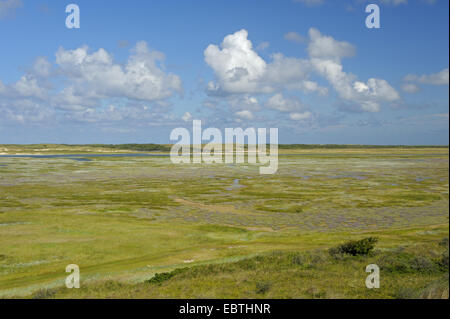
(288, 274)
(122, 220)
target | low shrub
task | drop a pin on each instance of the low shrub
(262, 287)
(423, 265)
(443, 261)
(44, 294)
(355, 247)
(318, 258)
(444, 242)
(298, 260)
(159, 278)
(407, 263)
(394, 262)
(406, 293)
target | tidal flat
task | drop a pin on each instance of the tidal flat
(124, 219)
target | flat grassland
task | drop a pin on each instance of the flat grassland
(222, 230)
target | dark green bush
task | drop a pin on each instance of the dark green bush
(159, 278)
(298, 260)
(444, 242)
(443, 261)
(355, 247)
(262, 287)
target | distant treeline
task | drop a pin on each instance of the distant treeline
(166, 148)
(132, 147)
(342, 146)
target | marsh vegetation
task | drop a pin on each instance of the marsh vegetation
(232, 231)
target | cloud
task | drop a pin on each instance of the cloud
(79, 83)
(300, 116)
(325, 47)
(141, 78)
(310, 3)
(32, 84)
(325, 55)
(294, 37)
(41, 67)
(93, 76)
(123, 43)
(410, 88)
(262, 46)
(292, 105)
(186, 117)
(246, 102)
(28, 86)
(132, 116)
(412, 81)
(399, 2)
(385, 2)
(394, 2)
(9, 6)
(240, 70)
(441, 115)
(237, 66)
(440, 78)
(280, 103)
(245, 114)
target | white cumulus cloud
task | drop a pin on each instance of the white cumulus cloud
(80, 82)
(240, 70)
(326, 47)
(141, 78)
(326, 54)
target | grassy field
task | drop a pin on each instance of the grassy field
(231, 231)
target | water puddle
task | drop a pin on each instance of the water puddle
(348, 176)
(81, 159)
(421, 179)
(235, 185)
(73, 156)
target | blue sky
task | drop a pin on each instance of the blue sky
(135, 70)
